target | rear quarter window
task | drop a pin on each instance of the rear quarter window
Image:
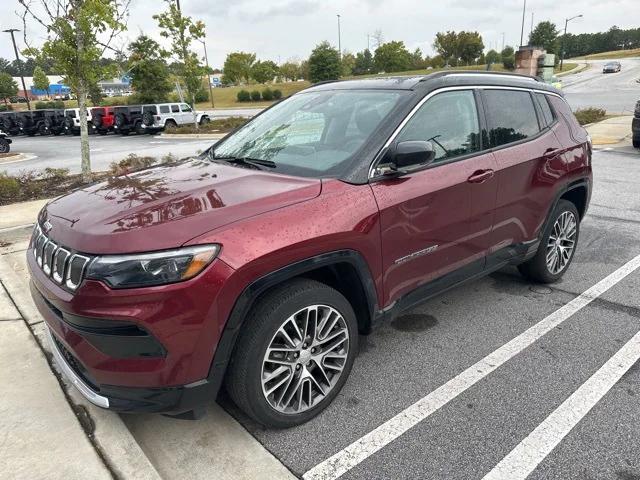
(547, 112)
(511, 116)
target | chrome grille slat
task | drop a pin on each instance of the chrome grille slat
(64, 267)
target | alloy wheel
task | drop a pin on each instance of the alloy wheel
(305, 359)
(561, 242)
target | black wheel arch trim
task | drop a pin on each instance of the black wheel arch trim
(251, 293)
(580, 183)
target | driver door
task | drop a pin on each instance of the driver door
(438, 219)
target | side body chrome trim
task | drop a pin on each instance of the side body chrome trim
(77, 382)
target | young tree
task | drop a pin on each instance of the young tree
(324, 63)
(263, 72)
(290, 70)
(78, 34)
(446, 44)
(545, 35)
(392, 57)
(492, 57)
(417, 60)
(182, 32)
(470, 46)
(148, 70)
(40, 80)
(364, 63)
(8, 87)
(508, 58)
(348, 61)
(237, 67)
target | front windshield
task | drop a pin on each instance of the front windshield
(311, 134)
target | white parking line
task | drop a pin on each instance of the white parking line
(532, 450)
(361, 449)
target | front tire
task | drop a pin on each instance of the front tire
(294, 353)
(636, 142)
(557, 247)
(5, 147)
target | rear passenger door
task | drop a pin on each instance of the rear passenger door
(529, 163)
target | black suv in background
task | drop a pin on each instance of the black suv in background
(9, 123)
(54, 121)
(635, 126)
(32, 122)
(128, 119)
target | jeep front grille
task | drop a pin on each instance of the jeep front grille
(65, 267)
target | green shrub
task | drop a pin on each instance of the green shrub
(255, 96)
(9, 187)
(244, 96)
(49, 105)
(509, 63)
(5, 108)
(59, 104)
(40, 105)
(277, 94)
(202, 96)
(590, 115)
(267, 94)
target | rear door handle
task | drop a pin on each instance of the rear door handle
(480, 176)
(551, 153)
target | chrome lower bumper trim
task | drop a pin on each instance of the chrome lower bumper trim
(77, 382)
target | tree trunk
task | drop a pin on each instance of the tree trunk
(85, 163)
(195, 114)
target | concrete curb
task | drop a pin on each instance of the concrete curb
(208, 136)
(20, 157)
(578, 69)
(117, 445)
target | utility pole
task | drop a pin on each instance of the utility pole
(502, 41)
(566, 22)
(339, 39)
(12, 31)
(368, 44)
(524, 10)
(178, 4)
(206, 61)
(531, 31)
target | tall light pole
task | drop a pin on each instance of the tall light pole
(339, 39)
(502, 41)
(524, 11)
(206, 61)
(11, 31)
(566, 22)
(531, 31)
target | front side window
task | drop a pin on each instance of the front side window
(511, 116)
(312, 134)
(185, 107)
(449, 121)
(175, 109)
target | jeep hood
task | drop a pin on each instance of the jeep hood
(165, 206)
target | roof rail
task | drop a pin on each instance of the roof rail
(461, 73)
(324, 82)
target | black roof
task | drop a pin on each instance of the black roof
(436, 80)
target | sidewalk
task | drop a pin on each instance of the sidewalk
(610, 131)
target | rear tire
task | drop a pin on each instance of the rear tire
(557, 246)
(314, 363)
(5, 146)
(636, 142)
(170, 125)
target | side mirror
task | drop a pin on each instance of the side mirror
(413, 153)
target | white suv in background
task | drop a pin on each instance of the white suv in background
(72, 120)
(167, 115)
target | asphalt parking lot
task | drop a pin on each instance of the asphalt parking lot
(406, 361)
(459, 388)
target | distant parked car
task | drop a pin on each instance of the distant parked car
(612, 67)
(5, 143)
(32, 122)
(102, 119)
(170, 115)
(72, 121)
(128, 119)
(8, 123)
(54, 121)
(635, 126)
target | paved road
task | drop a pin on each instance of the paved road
(64, 152)
(615, 92)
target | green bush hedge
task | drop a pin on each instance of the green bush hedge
(244, 96)
(255, 96)
(5, 108)
(49, 105)
(590, 115)
(267, 94)
(277, 94)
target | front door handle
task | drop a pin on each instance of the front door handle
(480, 176)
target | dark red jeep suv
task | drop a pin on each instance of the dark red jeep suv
(260, 261)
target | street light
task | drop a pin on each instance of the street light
(563, 37)
(11, 31)
(339, 40)
(206, 60)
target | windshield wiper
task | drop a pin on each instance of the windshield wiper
(255, 162)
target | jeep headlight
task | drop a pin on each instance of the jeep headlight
(155, 268)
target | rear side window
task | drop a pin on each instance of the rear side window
(449, 121)
(164, 109)
(175, 108)
(511, 116)
(547, 113)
